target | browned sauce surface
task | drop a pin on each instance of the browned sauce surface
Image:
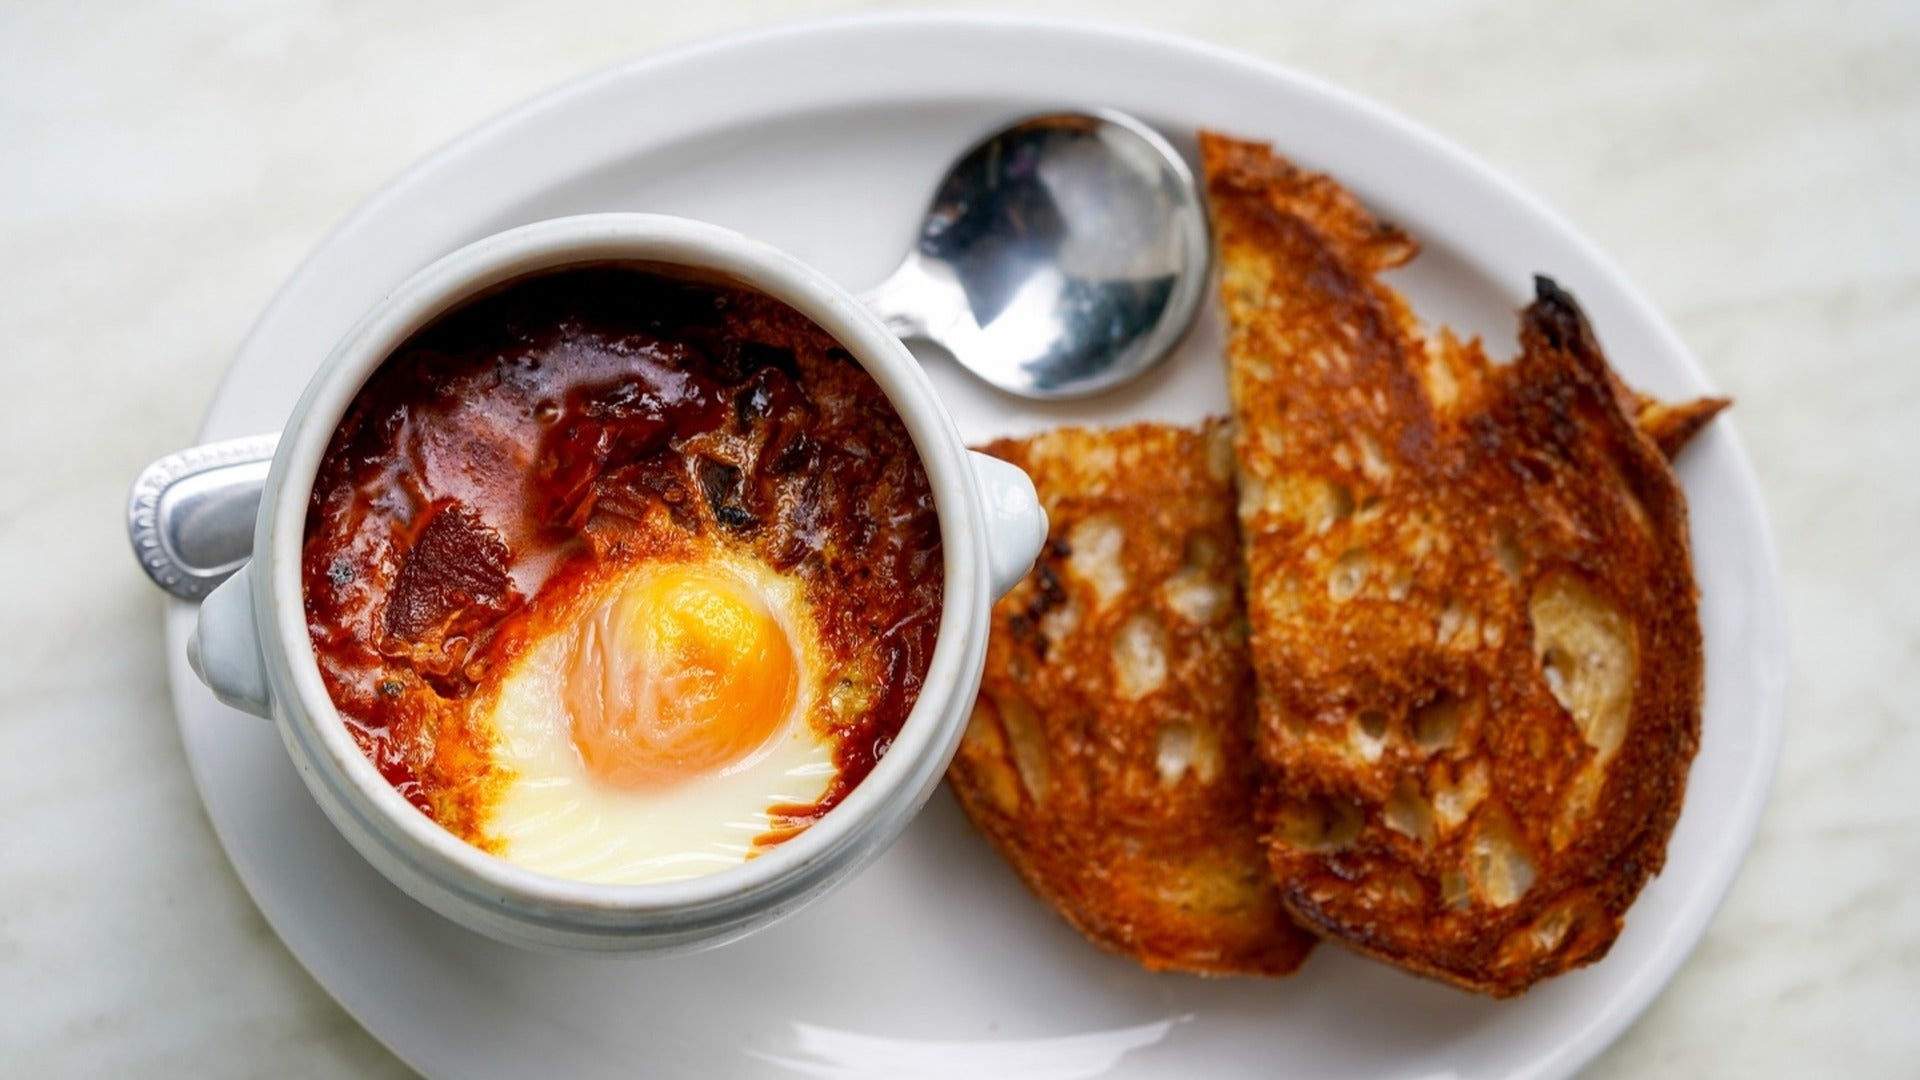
(584, 420)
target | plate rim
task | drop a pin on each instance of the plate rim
(1768, 604)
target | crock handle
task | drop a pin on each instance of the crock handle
(1016, 522)
(225, 647)
(190, 515)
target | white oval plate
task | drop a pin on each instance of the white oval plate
(826, 139)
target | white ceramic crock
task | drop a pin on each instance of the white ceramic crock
(251, 645)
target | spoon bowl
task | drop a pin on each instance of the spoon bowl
(1062, 256)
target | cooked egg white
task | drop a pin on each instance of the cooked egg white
(648, 736)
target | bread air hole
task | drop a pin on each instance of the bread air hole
(1506, 551)
(1334, 506)
(1028, 741)
(1373, 464)
(985, 748)
(1370, 734)
(1585, 648)
(1457, 791)
(1196, 597)
(1497, 860)
(1436, 724)
(1140, 657)
(1317, 823)
(1349, 575)
(1556, 931)
(1094, 557)
(1408, 813)
(1181, 749)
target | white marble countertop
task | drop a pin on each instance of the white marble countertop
(1756, 167)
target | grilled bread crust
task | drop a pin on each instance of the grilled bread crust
(1110, 756)
(1473, 626)
(1673, 426)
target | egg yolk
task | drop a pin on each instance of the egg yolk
(681, 672)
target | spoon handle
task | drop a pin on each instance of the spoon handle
(190, 516)
(902, 301)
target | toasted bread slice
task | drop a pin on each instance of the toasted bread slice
(1110, 757)
(1473, 625)
(1151, 914)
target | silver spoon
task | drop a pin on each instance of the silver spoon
(1062, 256)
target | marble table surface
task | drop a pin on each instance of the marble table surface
(1755, 166)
